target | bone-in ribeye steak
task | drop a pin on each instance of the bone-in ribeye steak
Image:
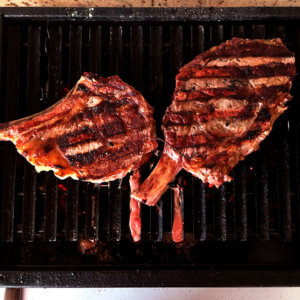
(99, 132)
(225, 103)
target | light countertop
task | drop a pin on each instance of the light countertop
(149, 3)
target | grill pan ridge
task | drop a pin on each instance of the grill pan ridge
(245, 233)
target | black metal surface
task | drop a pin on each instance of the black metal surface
(32, 106)
(9, 154)
(52, 47)
(245, 233)
(225, 277)
(201, 265)
(153, 14)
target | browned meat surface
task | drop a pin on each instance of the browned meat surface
(224, 104)
(99, 132)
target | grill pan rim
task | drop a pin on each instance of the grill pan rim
(210, 277)
(151, 14)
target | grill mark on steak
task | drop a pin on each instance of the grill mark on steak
(101, 130)
(264, 78)
(200, 138)
(198, 64)
(78, 137)
(107, 106)
(40, 124)
(104, 107)
(191, 148)
(243, 93)
(105, 154)
(111, 167)
(279, 69)
(27, 135)
(87, 135)
(182, 118)
(257, 73)
(86, 158)
(250, 48)
(231, 83)
(196, 84)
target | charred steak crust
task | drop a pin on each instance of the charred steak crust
(100, 131)
(239, 89)
(224, 104)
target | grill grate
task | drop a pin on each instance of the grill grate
(40, 59)
(160, 51)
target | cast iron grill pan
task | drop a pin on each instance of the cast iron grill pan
(245, 233)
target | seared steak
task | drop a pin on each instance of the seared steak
(224, 104)
(99, 132)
